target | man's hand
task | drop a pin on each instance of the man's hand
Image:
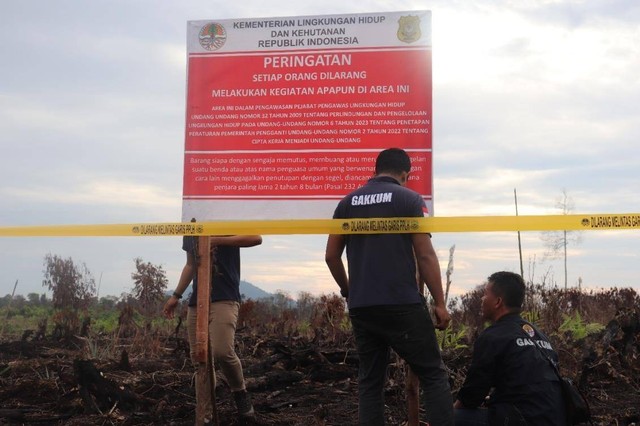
(170, 307)
(442, 317)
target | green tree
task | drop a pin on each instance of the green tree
(5, 301)
(281, 301)
(72, 288)
(108, 302)
(149, 285)
(19, 301)
(34, 299)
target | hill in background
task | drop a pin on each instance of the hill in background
(247, 291)
(250, 291)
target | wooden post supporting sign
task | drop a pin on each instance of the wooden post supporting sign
(205, 388)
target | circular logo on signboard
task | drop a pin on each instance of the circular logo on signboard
(212, 36)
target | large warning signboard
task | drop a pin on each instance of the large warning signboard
(286, 115)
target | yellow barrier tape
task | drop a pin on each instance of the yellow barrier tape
(339, 226)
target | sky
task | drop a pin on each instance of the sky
(541, 96)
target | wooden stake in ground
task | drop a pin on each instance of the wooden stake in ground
(412, 389)
(202, 347)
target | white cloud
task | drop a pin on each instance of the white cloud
(97, 193)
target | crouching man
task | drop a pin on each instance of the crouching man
(513, 358)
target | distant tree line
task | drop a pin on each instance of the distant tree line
(73, 293)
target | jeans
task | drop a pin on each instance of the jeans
(408, 330)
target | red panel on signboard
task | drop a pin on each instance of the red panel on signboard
(380, 99)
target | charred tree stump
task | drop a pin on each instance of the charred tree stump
(98, 393)
(124, 363)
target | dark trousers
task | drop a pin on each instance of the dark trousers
(497, 415)
(408, 330)
(471, 417)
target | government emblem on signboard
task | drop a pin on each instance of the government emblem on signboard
(409, 29)
(212, 36)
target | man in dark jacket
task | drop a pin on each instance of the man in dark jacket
(511, 357)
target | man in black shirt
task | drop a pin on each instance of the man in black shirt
(385, 306)
(223, 314)
(508, 357)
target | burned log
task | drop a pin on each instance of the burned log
(124, 363)
(30, 415)
(99, 393)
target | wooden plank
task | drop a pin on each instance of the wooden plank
(204, 377)
(204, 296)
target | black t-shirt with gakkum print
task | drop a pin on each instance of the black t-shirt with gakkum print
(382, 269)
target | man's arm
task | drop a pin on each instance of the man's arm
(236, 240)
(333, 257)
(186, 276)
(480, 374)
(429, 270)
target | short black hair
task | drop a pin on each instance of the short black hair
(393, 160)
(510, 286)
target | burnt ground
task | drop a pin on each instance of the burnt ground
(292, 381)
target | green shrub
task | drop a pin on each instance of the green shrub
(105, 321)
(450, 339)
(578, 328)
